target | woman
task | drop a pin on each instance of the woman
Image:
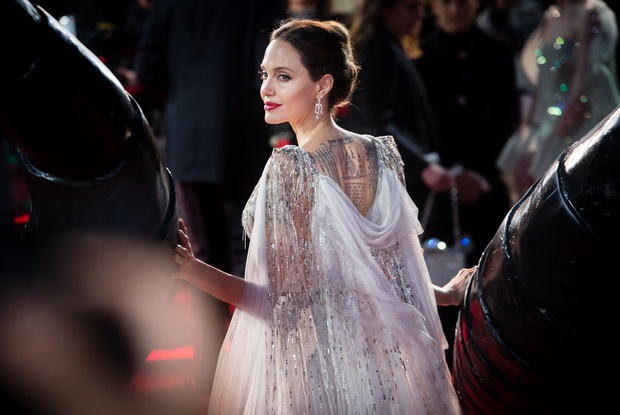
(570, 59)
(336, 314)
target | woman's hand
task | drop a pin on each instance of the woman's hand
(221, 285)
(184, 256)
(453, 292)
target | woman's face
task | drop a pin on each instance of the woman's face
(287, 90)
(403, 18)
(455, 16)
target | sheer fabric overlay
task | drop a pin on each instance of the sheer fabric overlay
(339, 315)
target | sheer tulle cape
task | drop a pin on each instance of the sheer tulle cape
(339, 315)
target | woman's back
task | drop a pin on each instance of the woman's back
(342, 317)
(352, 164)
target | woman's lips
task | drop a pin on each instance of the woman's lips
(270, 106)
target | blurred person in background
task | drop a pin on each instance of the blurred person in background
(204, 56)
(570, 60)
(339, 10)
(391, 97)
(471, 85)
(513, 21)
(309, 9)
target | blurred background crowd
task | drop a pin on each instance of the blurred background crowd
(475, 92)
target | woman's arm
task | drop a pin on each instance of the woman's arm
(221, 285)
(453, 292)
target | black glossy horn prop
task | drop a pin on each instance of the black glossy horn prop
(531, 335)
(91, 158)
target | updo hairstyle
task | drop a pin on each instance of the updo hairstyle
(324, 47)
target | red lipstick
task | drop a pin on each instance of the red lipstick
(270, 105)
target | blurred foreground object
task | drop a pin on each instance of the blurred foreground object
(90, 157)
(529, 338)
(73, 336)
(92, 167)
(526, 341)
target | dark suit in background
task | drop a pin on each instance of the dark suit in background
(391, 100)
(471, 83)
(205, 55)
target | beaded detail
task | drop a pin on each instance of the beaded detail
(338, 316)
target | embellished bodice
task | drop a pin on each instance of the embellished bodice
(338, 314)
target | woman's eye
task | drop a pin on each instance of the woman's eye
(282, 77)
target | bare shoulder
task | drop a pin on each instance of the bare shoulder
(368, 139)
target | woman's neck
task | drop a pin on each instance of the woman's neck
(312, 135)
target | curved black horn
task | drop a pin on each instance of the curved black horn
(91, 159)
(530, 337)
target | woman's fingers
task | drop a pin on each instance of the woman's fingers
(184, 239)
(182, 225)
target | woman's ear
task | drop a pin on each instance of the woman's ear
(325, 85)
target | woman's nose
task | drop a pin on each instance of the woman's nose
(265, 90)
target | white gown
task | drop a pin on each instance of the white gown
(339, 317)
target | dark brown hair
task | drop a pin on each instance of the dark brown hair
(324, 47)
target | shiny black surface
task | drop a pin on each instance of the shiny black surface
(91, 159)
(531, 335)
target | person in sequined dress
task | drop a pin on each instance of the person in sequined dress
(571, 61)
(336, 313)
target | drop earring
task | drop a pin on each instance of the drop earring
(318, 109)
